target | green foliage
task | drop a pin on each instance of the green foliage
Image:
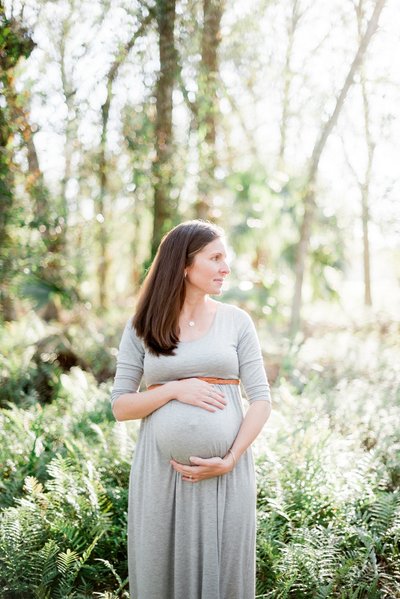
(33, 258)
(18, 374)
(329, 499)
(72, 514)
(34, 355)
(263, 219)
(328, 479)
(63, 492)
(15, 41)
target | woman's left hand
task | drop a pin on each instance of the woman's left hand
(203, 468)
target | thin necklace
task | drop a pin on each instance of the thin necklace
(191, 323)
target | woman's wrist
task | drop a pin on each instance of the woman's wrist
(230, 459)
(171, 389)
(233, 456)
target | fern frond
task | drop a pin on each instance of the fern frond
(48, 556)
(66, 560)
(69, 564)
(384, 512)
(32, 486)
(113, 570)
(22, 535)
(60, 467)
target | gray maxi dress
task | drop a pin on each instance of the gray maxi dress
(193, 540)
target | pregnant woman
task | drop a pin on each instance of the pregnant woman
(192, 496)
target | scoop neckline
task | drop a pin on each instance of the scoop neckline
(210, 328)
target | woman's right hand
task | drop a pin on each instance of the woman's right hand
(196, 392)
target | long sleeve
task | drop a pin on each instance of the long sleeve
(251, 366)
(130, 358)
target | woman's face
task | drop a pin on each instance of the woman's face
(209, 268)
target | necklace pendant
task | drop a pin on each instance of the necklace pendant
(191, 323)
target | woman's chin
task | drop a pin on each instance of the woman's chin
(217, 290)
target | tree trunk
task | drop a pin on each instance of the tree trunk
(70, 132)
(309, 200)
(365, 186)
(34, 183)
(15, 43)
(208, 102)
(50, 228)
(292, 26)
(164, 207)
(102, 233)
(7, 308)
(366, 252)
(102, 209)
(136, 270)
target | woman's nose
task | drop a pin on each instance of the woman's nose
(225, 268)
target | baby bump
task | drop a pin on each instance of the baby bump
(182, 430)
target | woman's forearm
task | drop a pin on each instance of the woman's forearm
(131, 406)
(254, 420)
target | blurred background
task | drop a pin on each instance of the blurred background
(279, 121)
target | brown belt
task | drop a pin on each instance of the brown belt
(209, 379)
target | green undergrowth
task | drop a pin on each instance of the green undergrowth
(328, 465)
(329, 471)
(63, 494)
(34, 355)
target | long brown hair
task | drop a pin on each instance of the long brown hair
(163, 291)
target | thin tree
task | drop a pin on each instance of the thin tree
(102, 234)
(208, 104)
(366, 183)
(309, 201)
(15, 43)
(43, 221)
(164, 207)
(287, 78)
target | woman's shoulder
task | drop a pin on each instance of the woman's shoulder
(129, 335)
(129, 325)
(238, 314)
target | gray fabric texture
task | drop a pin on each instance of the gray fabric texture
(193, 540)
